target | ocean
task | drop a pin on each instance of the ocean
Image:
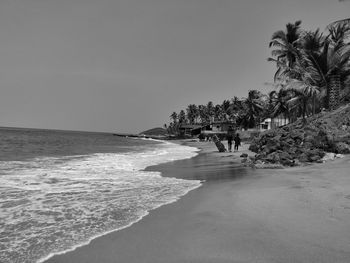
(61, 189)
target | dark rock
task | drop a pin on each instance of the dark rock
(253, 147)
(296, 162)
(303, 158)
(273, 157)
(342, 147)
(260, 156)
(252, 158)
(244, 155)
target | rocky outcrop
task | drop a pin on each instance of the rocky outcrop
(305, 142)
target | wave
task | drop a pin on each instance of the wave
(52, 205)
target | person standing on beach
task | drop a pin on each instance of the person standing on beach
(237, 141)
(229, 137)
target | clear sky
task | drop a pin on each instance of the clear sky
(126, 65)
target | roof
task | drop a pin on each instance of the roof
(223, 122)
(266, 120)
(190, 126)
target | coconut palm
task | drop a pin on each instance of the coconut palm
(210, 110)
(203, 113)
(278, 103)
(192, 113)
(339, 30)
(339, 63)
(304, 92)
(286, 44)
(327, 69)
(322, 62)
(174, 117)
(254, 107)
(217, 112)
(182, 117)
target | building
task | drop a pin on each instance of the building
(190, 129)
(221, 126)
(271, 123)
(216, 127)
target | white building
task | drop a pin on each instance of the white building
(270, 123)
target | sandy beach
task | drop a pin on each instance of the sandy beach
(239, 214)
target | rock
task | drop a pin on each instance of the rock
(259, 162)
(314, 158)
(303, 158)
(296, 162)
(252, 158)
(286, 159)
(342, 147)
(339, 155)
(253, 147)
(244, 155)
(328, 157)
(268, 166)
(260, 156)
(300, 142)
(273, 157)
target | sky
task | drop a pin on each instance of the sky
(126, 65)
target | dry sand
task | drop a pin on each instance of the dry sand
(239, 215)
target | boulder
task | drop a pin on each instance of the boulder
(303, 158)
(273, 157)
(342, 147)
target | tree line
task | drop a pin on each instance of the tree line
(313, 70)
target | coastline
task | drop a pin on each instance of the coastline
(291, 215)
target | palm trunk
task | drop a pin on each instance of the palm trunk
(304, 110)
(334, 91)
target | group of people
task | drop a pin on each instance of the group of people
(230, 138)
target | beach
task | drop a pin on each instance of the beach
(239, 214)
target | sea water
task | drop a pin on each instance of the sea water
(59, 189)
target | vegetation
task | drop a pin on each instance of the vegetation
(312, 75)
(245, 112)
(312, 67)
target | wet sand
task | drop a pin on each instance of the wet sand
(238, 215)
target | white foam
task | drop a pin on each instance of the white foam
(114, 230)
(82, 197)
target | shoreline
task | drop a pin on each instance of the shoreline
(179, 142)
(262, 217)
(202, 149)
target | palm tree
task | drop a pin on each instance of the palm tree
(182, 117)
(203, 113)
(303, 93)
(217, 112)
(278, 103)
(225, 110)
(254, 106)
(210, 110)
(327, 69)
(236, 105)
(174, 117)
(339, 62)
(286, 52)
(192, 113)
(322, 62)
